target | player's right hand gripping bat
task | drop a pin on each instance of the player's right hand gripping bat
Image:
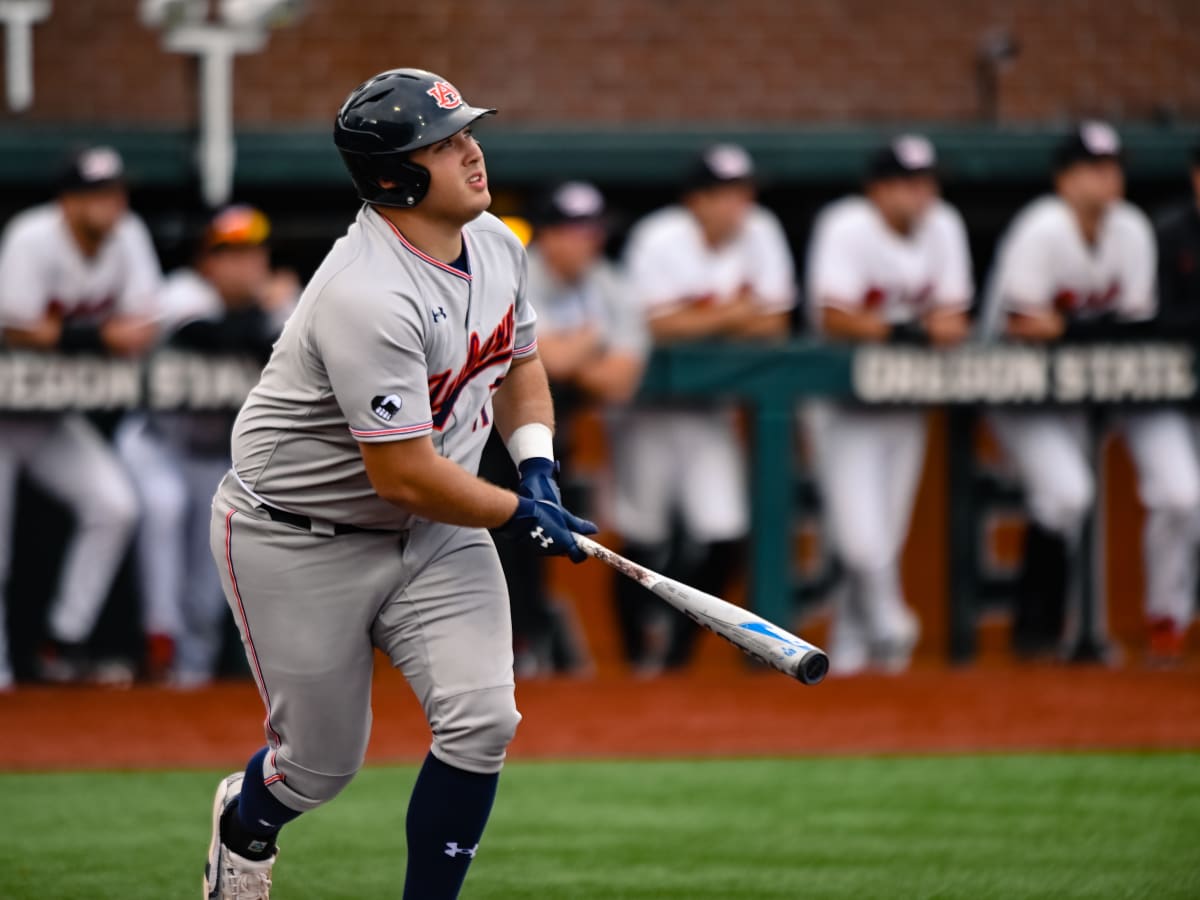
(752, 634)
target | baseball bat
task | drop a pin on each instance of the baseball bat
(753, 634)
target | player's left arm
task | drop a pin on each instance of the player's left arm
(524, 416)
(613, 377)
(523, 398)
(133, 328)
(521, 407)
(762, 324)
(947, 322)
(771, 290)
(1138, 302)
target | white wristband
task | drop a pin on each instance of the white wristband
(528, 441)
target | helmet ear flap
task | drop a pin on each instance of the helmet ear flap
(413, 186)
(411, 181)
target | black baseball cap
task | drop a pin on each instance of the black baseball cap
(1091, 141)
(571, 202)
(904, 156)
(90, 169)
(720, 164)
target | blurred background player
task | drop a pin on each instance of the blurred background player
(892, 262)
(592, 341)
(1178, 233)
(1080, 263)
(714, 266)
(230, 302)
(76, 275)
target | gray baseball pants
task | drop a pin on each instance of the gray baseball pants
(313, 608)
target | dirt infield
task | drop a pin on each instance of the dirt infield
(726, 713)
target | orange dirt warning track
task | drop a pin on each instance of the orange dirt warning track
(739, 713)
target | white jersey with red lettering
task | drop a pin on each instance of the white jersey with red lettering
(670, 263)
(1045, 263)
(856, 261)
(867, 462)
(684, 461)
(43, 270)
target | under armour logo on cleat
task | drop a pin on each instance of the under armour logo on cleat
(539, 535)
(452, 849)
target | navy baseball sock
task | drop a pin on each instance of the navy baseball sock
(446, 816)
(249, 827)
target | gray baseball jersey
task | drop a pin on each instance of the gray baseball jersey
(386, 344)
(600, 298)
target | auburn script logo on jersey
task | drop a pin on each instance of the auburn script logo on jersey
(446, 387)
(445, 95)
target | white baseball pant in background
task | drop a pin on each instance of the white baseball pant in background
(181, 591)
(1049, 450)
(867, 464)
(689, 463)
(68, 459)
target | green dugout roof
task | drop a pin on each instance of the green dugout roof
(642, 155)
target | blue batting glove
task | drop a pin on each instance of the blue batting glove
(539, 479)
(547, 528)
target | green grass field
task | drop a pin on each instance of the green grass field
(1050, 825)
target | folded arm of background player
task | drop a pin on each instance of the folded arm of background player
(862, 292)
(1043, 306)
(367, 358)
(31, 317)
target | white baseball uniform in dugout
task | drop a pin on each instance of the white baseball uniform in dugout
(43, 271)
(867, 462)
(690, 460)
(1045, 263)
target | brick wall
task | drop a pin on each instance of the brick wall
(670, 61)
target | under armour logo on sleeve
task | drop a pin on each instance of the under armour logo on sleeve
(452, 849)
(439, 313)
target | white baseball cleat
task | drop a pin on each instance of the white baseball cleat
(228, 876)
(894, 651)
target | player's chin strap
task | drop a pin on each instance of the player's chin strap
(534, 439)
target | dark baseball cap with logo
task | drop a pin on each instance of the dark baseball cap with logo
(569, 203)
(720, 164)
(904, 156)
(90, 169)
(1092, 141)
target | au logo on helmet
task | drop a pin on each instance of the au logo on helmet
(445, 95)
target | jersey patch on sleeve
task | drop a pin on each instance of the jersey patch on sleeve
(385, 408)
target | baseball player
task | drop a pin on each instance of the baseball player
(351, 519)
(1178, 233)
(891, 262)
(592, 342)
(1081, 263)
(714, 266)
(230, 302)
(76, 275)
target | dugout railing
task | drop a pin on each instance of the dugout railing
(770, 382)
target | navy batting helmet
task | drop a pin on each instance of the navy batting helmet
(385, 119)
